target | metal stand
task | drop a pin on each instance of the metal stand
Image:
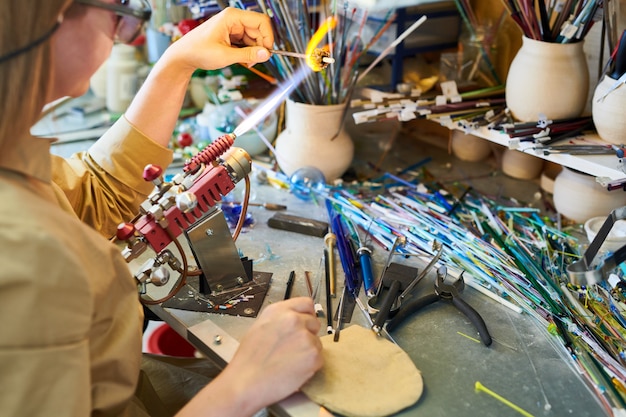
(213, 247)
(227, 285)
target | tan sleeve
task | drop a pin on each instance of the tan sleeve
(104, 185)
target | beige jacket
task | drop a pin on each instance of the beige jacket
(70, 329)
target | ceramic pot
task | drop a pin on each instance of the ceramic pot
(469, 147)
(579, 197)
(548, 176)
(314, 136)
(608, 111)
(546, 78)
(521, 165)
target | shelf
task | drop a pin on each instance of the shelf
(596, 165)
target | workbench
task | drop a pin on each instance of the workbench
(524, 364)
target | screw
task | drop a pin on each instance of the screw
(217, 339)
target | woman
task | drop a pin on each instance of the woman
(70, 343)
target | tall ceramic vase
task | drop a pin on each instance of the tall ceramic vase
(546, 78)
(314, 136)
(579, 197)
(607, 109)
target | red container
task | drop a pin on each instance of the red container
(165, 341)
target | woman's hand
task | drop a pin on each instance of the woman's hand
(229, 37)
(278, 354)
(217, 43)
(281, 351)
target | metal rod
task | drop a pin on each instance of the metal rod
(287, 53)
(327, 60)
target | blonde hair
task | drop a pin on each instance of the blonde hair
(25, 79)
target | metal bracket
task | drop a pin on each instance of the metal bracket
(213, 247)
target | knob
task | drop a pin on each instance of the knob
(125, 231)
(152, 173)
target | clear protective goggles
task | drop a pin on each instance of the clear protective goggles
(132, 14)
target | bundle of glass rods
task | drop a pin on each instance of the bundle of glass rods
(294, 23)
(511, 251)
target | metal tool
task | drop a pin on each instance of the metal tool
(386, 306)
(266, 206)
(439, 248)
(447, 292)
(330, 240)
(399, 242)
(340, 313)
(392, 302)
(187, 206)
(320, 57)
(584, 271)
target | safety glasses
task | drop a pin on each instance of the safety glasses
(132, 14)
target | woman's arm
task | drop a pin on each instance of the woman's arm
(280, 352)
(217, 43)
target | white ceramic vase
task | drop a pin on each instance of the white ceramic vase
(546, 78)
(520, 165)
(314, 136)
(579, 197)
(608, 111)
(468, 147)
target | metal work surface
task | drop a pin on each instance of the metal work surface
(524, 364)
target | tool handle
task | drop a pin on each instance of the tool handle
(329, 306)
(620, 58)
(409, 308)
(365, 259)
(386, 305)
(475, 318)
(345, 255)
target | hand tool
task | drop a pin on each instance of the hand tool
(586, 271)
(365, 258)
(329, 254)
(266, 206)
(392, 302)
(342, 301)
(385, 303)
(447, 292)
(329, 306)
(292, 276)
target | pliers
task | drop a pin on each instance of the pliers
(447, 292)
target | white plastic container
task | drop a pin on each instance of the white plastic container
(122, 78)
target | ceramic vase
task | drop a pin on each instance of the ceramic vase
(468, 147)
(314, 136)
(608, 111)
(579, 197)
(546, 78)
(520, 165)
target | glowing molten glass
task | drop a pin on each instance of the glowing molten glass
(314, 58)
